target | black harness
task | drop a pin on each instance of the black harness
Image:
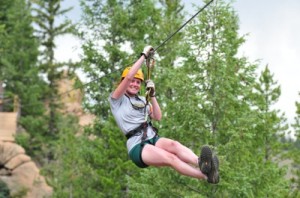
(142, 129)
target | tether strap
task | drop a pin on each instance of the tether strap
(150, 64)
(141, 129)
(137, 131)
(145, 129)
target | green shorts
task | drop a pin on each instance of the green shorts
(135, 153)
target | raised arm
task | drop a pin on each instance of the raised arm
(121, 89)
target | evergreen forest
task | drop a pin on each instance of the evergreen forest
(208, 93)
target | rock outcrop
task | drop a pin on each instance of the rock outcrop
(20, 173)
(72, 99)
(17, 170)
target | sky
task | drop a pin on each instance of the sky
(272, 26)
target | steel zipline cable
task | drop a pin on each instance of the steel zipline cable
(155, 49)
(169, 37)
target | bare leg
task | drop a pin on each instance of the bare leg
(155, 156)
(181, 151)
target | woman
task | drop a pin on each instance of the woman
(145, 147)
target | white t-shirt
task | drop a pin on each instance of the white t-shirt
(128, 118)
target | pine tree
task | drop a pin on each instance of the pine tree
(271, 129)
(274, 124)
(296, 125)
(212, 104)
(46, 14)
(108, 22)
(212, 107)
(295, 152)
(19, 54)
(19, 71)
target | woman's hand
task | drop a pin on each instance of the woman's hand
(150, 86)
(146, 51)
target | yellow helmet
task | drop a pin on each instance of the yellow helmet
(138, 75)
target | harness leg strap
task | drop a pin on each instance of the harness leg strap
(144, 136)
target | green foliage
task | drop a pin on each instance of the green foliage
(222, 81)
(214, 101)
(294, 153)
(208, 95)
(19, 73)
(99, 59)
(19, 55)
(133, 30)
(273, 126)
(44, 129)
(220, 109)
(23, 139)
(296, 124)
(90, 167)
(120, 28)
(1, 40)
(45, 16)
(4, 191)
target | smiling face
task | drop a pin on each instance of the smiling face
(134, 87)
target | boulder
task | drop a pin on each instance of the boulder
(9, 150)
(20, 173)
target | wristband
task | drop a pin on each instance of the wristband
(143, 54)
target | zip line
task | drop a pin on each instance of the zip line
(167, 39)
(155, 49)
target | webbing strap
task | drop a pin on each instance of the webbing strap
(150, 64)
(142, 128)
(144, 136)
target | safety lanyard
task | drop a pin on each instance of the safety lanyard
(150, 61)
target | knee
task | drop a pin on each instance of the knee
(172, 159)
(175, 144)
